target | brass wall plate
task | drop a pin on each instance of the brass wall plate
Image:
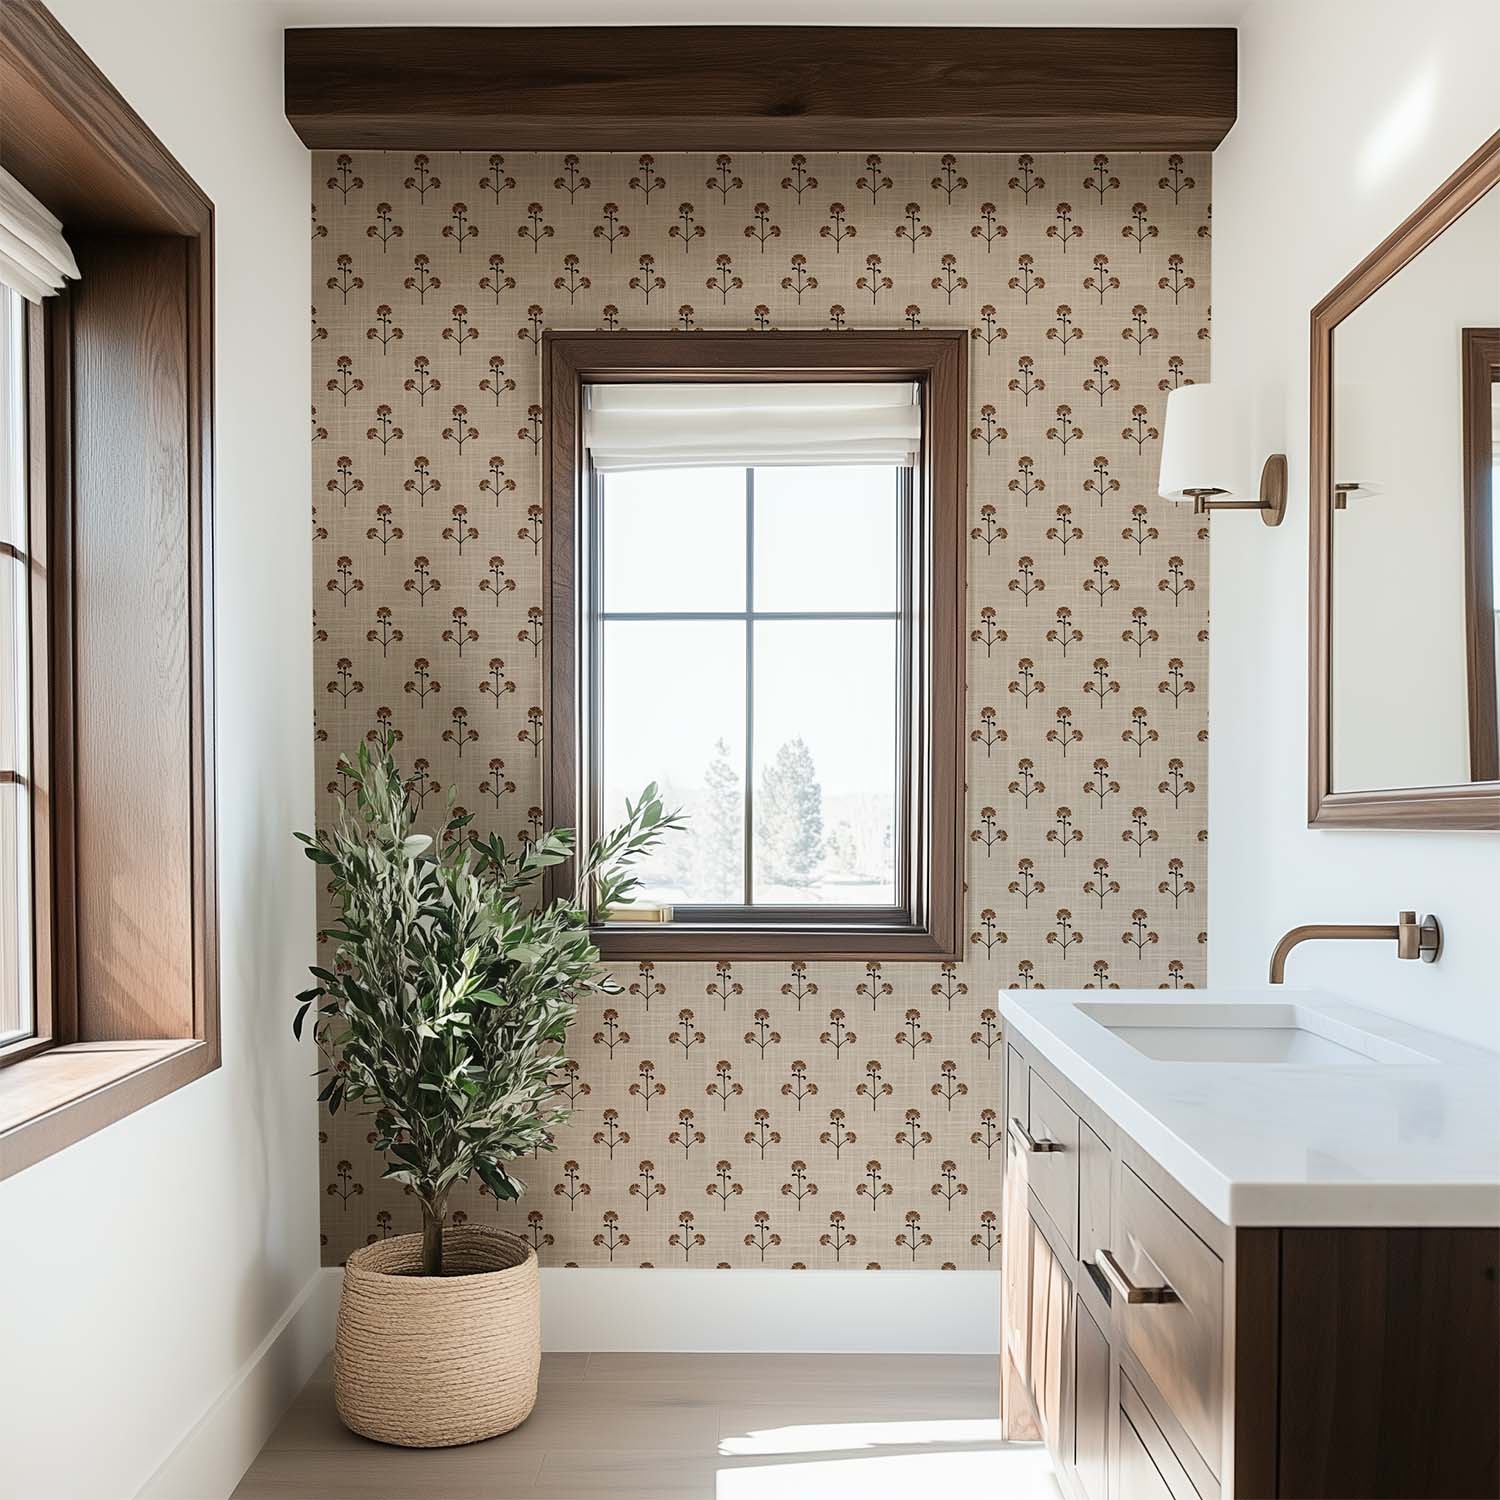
(1273, 490)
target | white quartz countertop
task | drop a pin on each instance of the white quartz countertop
(1368, 1141)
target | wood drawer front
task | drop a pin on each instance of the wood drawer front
(1180, 1343)
(1149, 1470)
(1093, 1199)
(1054, 1174)
(1015, 1087)
(1091, 1364)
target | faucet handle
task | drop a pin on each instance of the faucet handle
(1408, 935)
(1415, 939)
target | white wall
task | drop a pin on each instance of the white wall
(142, 1268)
(1350, 113)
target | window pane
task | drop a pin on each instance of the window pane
(14, 645)
(15, 697)
(825, 762)
(674, 539)
(12, 418)
(825, 539)
(674, 713)
(15, 913)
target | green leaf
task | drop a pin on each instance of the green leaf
(497, 1180)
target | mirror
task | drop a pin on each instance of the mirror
(1406, 442)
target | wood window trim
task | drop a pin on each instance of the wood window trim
(122, 452)
(938, 359)
(1475, 805)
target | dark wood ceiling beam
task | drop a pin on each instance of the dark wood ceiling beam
(749, 88)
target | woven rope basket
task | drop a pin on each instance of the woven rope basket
(431, 1361)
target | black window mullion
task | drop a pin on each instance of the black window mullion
(907, 671)
(592, 745)
(749, 829)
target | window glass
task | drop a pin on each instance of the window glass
(16, 1008)
(825, 762)
(672, 706)
(825, 538)
(785, 711)
(674, 539)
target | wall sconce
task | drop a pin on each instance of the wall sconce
(1342, 492)
(1364, 439)
(1206, 451)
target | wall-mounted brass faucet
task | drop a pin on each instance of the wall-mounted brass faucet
(1413, 939)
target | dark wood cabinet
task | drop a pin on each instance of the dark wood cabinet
(1162, 1355)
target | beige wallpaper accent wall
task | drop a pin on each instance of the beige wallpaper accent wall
(782, 1114)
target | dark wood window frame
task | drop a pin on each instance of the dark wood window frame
(1475, 805)
(938, 362)
(121, 372)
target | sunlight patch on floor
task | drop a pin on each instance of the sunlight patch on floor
(845, 1437)
(966, 1459)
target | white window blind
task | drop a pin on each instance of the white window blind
(34, 256)
(700, 425)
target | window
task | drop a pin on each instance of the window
(17, 907)
(108, 911)
(756, 574)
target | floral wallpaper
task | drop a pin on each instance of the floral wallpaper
(787, 1113)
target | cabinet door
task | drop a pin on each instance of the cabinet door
(1090, 1404)
(1051, 1344)
(1015, 1256)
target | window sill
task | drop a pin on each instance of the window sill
(675, 940)
(57, 1097)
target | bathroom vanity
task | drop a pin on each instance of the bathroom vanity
(1250, 1247)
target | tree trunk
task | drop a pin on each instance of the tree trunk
(432, 1238)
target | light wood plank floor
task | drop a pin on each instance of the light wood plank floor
(690, 1427)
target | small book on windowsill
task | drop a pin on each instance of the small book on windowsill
(653, 915)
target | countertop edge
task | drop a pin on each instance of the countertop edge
(1241, 1204)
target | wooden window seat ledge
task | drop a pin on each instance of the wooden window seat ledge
(61, 1095)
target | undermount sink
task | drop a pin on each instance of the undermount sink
(1256, 1033)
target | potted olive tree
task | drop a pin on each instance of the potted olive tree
(444, 1013)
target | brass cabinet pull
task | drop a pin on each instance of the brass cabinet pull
(1124, 1287)
(1029, 1142)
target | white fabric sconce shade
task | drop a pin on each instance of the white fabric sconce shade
(34, 256)
(703, 425)
(1205, 444)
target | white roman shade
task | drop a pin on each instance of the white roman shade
(700, 425)
(34, 256)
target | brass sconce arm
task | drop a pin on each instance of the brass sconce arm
(1272, 502)
(1413, 939)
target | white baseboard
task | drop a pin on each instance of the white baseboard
(766, 1312)
(210, 1461)
(770, 1312)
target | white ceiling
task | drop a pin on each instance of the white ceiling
(764, 12)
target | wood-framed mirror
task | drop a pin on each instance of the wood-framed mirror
(1404, 573)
